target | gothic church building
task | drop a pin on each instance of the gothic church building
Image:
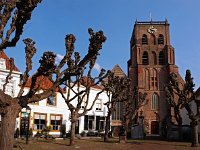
(151, 61)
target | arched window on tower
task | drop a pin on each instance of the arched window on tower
(154, 102)
(161, 58)
(145, 58)
(146, 79)
(154, 58)
(154, 80)
(160, 39)
(144, 39)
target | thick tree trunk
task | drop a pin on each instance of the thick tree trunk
(8, 126)
(195, 140)
(107, 127)
(72, 136)
(73, 126)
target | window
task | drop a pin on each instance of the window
(144, 39)
(154, 105)
(2, 63)
(161, 39)
(161, 58)
(100, 122)
(39, 121)
(51, 101)
(154, 80)
(118, 113)
(56, 122)
(145, 58)
(89, 122)
(146, 78)
(99, 105)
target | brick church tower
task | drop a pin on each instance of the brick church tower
(151, 61)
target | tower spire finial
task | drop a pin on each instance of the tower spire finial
(150, 17)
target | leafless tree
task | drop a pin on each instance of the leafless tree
(185, 94)
(132, 105)
(173, 102)
(59, 75)
(119, 91)
(116, 92)
(80, 85)
(16, 13)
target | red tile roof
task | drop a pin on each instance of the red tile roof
(85, 81)
(4, 56)
(45, 83)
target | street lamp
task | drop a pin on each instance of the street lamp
(28, 111)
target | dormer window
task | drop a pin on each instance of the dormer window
(98, 105)
(51, 101)
(144, 39)
(2, 63)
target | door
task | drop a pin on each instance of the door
(24, 123)
(154, 127)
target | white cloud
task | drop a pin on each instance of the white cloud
(59, 57)
(97, 67)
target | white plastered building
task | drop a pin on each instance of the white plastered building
(52, 111)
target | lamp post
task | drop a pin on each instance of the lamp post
(28, 111)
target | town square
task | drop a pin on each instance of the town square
(109, 74)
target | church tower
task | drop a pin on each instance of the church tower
(151, 61)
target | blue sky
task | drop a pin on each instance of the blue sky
(53, 19)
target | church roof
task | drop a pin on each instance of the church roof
(151, 22)
(5, 57)
(117, 70)
(197, 93)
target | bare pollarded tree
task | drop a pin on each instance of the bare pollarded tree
(174, 102)
(185, 94)
(60, 75)
(79, 85)
(116, 89)
(16, 13)
(134, 102)
(119, 91)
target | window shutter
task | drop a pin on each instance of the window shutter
(86, 122)
(97, 122)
